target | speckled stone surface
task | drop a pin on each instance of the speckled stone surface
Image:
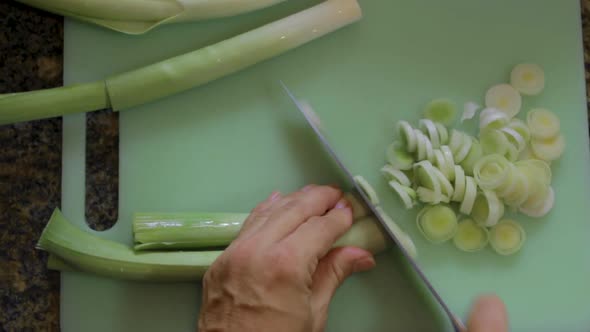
(31, 44)
(30, 165)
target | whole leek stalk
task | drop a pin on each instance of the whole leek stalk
(140, 16)
(183, 72)
(72, 249)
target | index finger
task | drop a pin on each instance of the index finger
(317, 236)
(297, 208)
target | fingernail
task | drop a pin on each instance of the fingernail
(307, 188)
(274, 196)
(342, 204)
(364, 264)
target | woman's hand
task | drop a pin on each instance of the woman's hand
(280, 273)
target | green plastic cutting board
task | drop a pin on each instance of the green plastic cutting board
(226, 145)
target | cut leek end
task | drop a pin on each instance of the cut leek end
(470, 237)
(359, 208)
(437, 223)
(507, 237)
(404, 239)
(365, 233)
(367, 189)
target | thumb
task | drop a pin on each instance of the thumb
(330, 273)
(488, 315)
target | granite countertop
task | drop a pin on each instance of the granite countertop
(31, 47)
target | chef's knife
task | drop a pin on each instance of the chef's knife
(314, 122)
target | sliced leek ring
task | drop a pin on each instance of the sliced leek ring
(406, 194)
(437, 223)
(515, 138)
(493, 141)
(521, 128)
(487, 209)
(543, 209)
(507, 237)
(470, 237)
(493, 118)
(543, 123)
(428, 196)
(459, 190)
(392, 174)
(505, 98)
(429, 128)
(427, 178)
(492, 171)
(406, 135)
(441, 110)
(469, 197)
(475, 153)
(548, 150)
(398, 157)
(528, 78)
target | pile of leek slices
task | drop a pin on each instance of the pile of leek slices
(465, 183)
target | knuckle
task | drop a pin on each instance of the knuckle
(283, 264)
(328, 190)
(298, 206)
(241, 258)
(341, 217)
(338, 273)
(260, 208)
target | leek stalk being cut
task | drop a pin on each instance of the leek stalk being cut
(181, 73)
(73, 249)
(140, 16)
(185, 230)
(201, 230)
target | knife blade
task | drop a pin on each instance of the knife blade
(314, 122)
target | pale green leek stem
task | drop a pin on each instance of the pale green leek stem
(186, 71)
(72, 249)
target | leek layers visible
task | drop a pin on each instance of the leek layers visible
(85, 252)
(185, 230)
(183, 72)
(72, 249)
(140, 16)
